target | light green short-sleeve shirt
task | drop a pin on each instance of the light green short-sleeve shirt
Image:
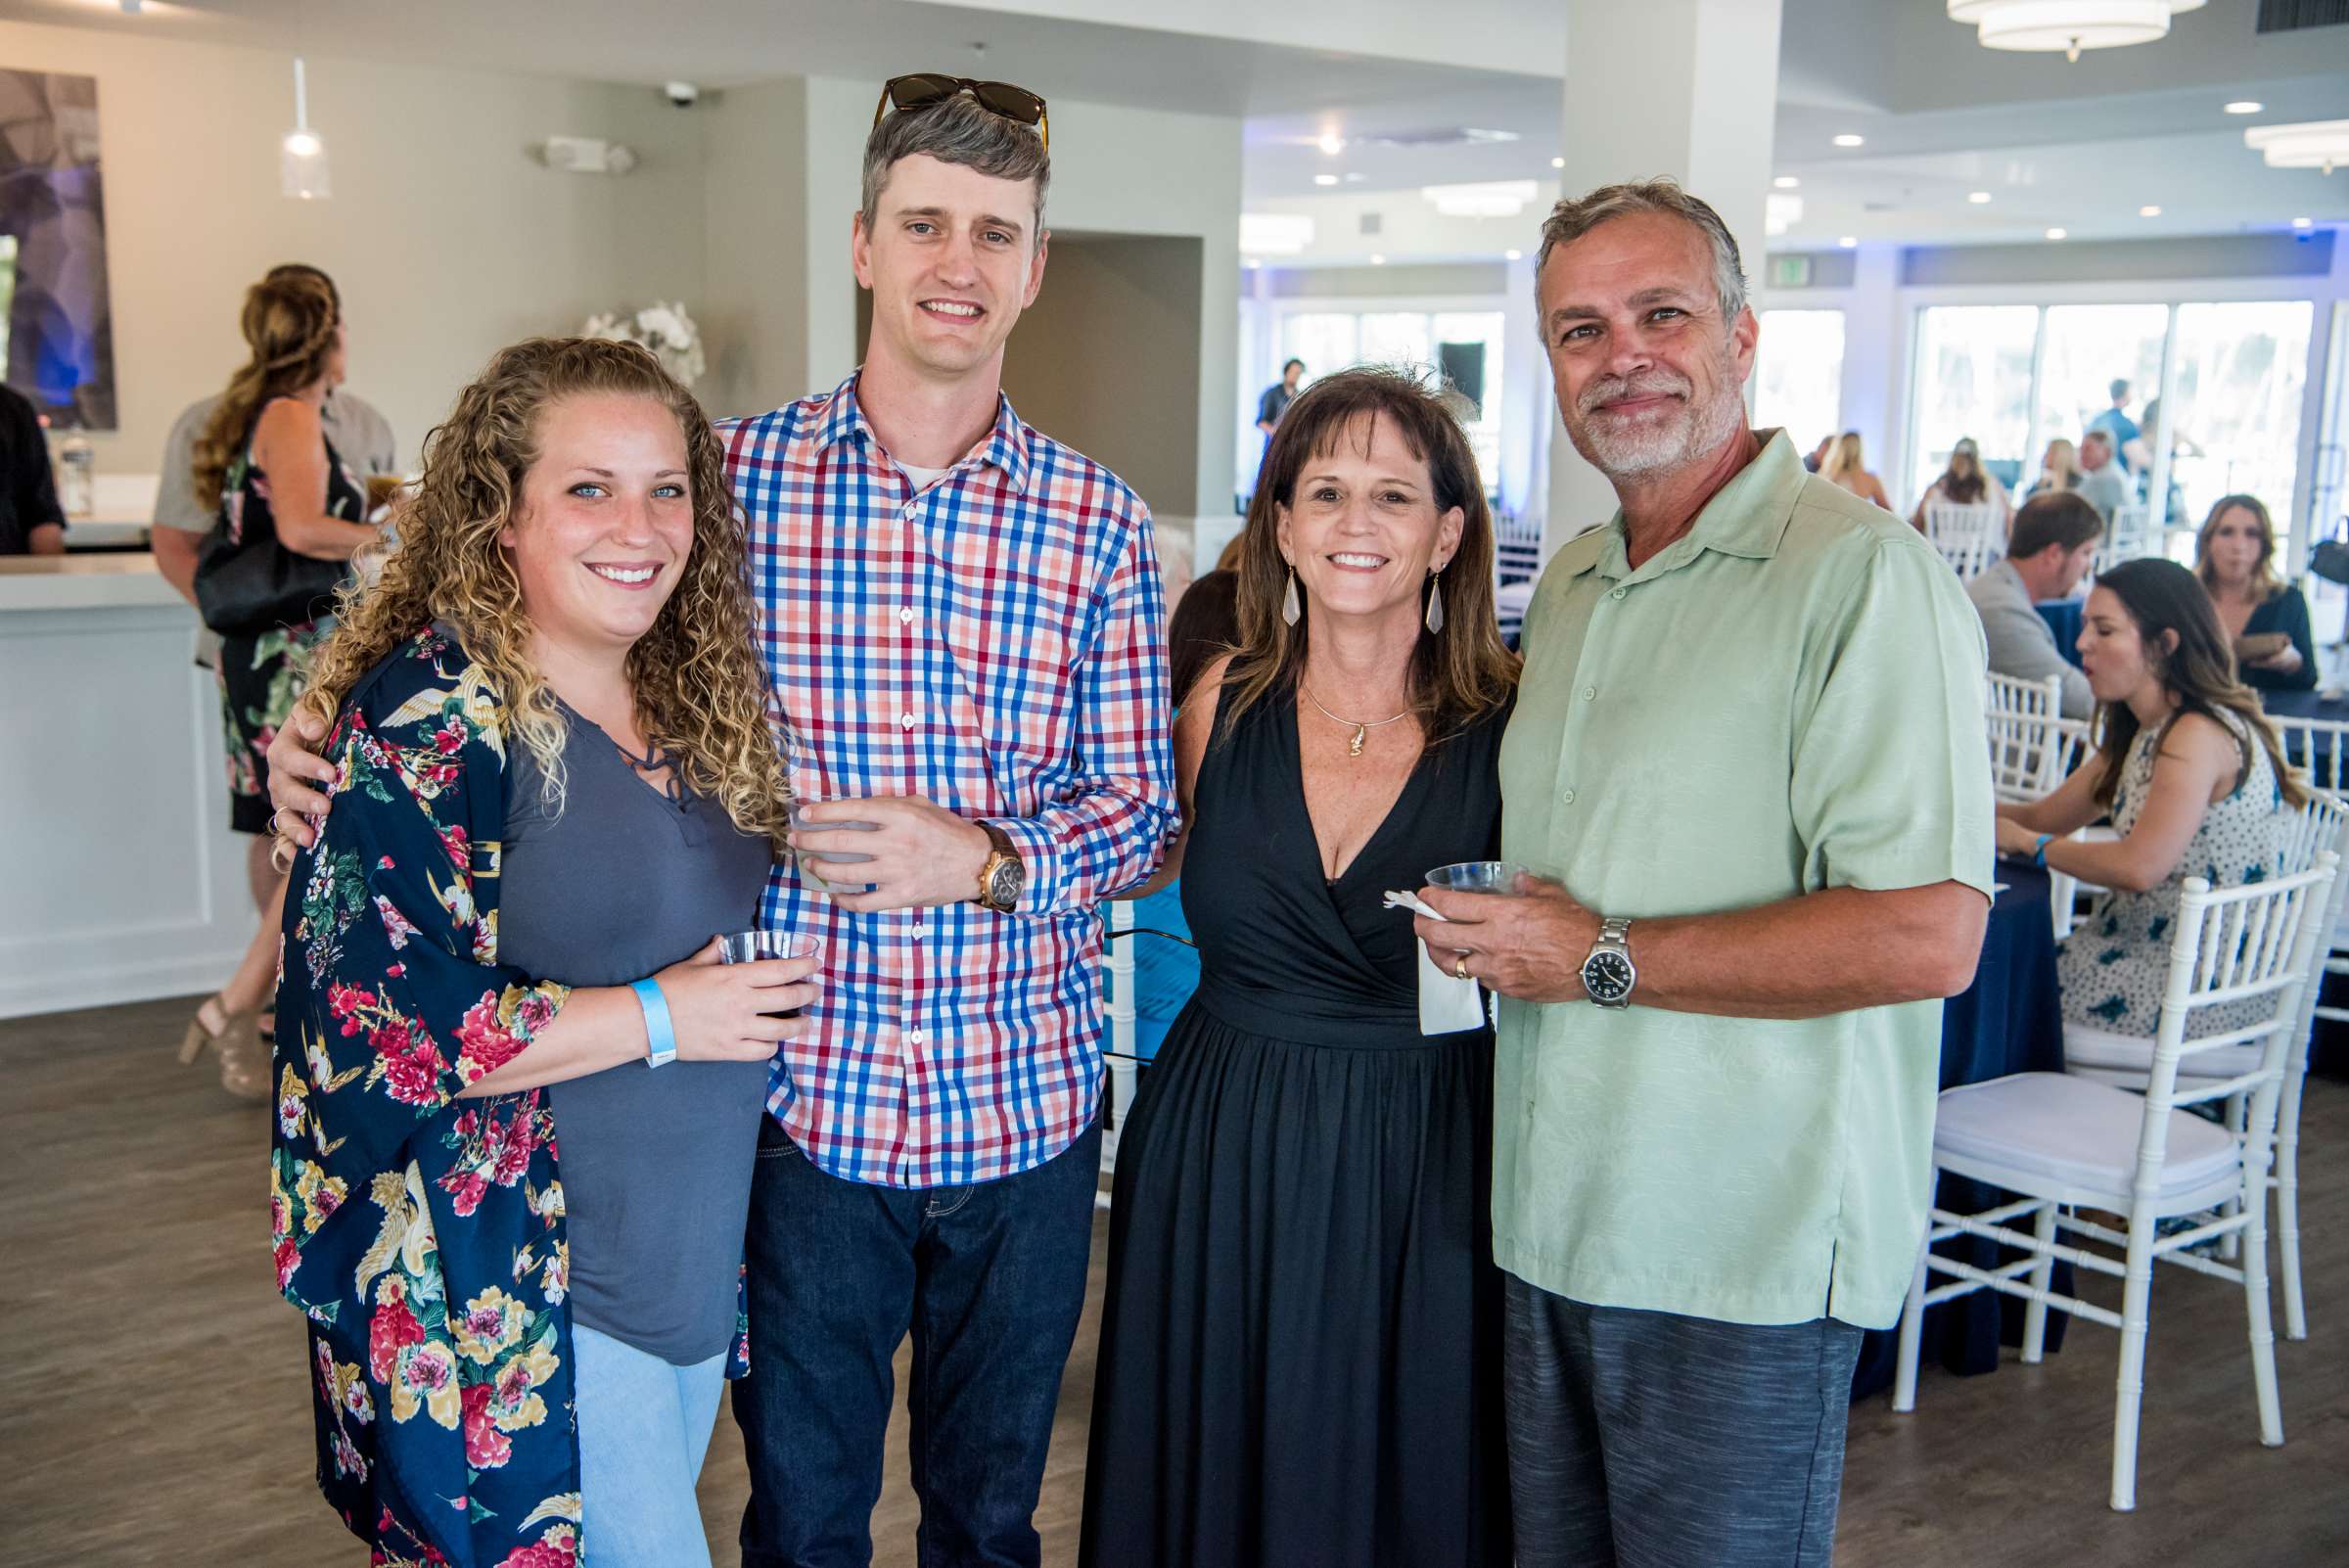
(1788, 698)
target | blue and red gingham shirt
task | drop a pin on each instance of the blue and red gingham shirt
(991, 644)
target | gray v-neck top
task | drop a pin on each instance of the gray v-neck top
(656, 1162)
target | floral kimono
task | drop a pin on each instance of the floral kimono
(422, 1233)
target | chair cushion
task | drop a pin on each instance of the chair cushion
(2075, 1132)
(2134, 1054)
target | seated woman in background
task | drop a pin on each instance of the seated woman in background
(2059, 470)
(1966, 482)
(558, 777)
(2264, 615)
(1846, 465)
(2193, 777)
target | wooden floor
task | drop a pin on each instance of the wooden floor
(152, 1396)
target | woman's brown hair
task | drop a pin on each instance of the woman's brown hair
(1458, 675)
(2265, 584)
(289, 322)
(2162, 596)
(700, 689)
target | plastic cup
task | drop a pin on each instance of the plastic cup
(1477, 876)
(747, 947)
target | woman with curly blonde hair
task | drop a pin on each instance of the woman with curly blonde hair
(557, 777)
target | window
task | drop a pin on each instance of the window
(1463, 347)
(2236, 425)
(2087, 349)
(1798, 375)
(1973, 378)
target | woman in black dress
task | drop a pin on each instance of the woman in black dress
(1301, 1348)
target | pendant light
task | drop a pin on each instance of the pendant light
(301, 156)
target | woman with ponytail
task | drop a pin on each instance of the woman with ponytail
(264, 467)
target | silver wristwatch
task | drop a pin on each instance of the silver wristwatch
(1608, 972)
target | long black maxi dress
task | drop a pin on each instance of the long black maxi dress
(1299, 1357)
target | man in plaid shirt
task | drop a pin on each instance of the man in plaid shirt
(962, 618)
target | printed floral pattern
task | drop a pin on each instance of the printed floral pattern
(422, 1233)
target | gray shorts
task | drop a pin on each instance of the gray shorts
(1647, 1440)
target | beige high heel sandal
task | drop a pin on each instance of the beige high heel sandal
(243, 1058)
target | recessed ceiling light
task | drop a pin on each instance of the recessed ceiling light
(1356, 177)
(2302, 223)
(1325, 179)
(2055, 234)
(1557, 162)
(1787, 182)
(1378, 260)
(1333, 144)
(1849, 242)
(1254, 263)
(1850, 139)
(1513, 256)
(1978, 198)
(2245, 105)
(2149, 210)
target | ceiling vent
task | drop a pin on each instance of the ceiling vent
(2291, 16)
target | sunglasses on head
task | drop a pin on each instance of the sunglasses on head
(910, 95)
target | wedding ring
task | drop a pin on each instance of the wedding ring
(1460, 967)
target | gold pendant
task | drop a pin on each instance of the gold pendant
(1354, 747)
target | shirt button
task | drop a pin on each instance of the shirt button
(1619, 593)
(915, 1036)
(1590, 694)
(904, 721)
(1566, 797)
(905, 616)
(920, 930)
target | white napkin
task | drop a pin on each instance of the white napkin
(1448, 1004)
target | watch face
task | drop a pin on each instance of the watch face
(1607, 977)
(1004, 887)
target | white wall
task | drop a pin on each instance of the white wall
(446, 239)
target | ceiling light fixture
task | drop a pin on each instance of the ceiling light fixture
(1489, 199)
(1325, 179)
(2056, 234)
(1850, 139)
(1331, 142)
(2149, 210)
(1513, 256)
(2244, 105)
(2070, 25)
(2303, 223)
(1978, 198)
(301, 171)
(1557, 162)
(1378, 260)
(1787, 182)
(1781, 213)
(2314, 144)
(1850, 242)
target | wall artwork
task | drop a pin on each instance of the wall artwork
(58, 331)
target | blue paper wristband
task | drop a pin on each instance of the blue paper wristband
(660, 1036)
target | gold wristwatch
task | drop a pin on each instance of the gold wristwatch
(1004, 876)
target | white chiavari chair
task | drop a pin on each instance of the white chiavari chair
(1968, 537)
(2126, 537)
(2128, 1060)
(2026, 747)
(2060, 1141)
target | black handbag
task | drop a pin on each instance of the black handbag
(247, 586)
(2329, 560)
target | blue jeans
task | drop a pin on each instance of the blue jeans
(644, 1428)
(990, 1278)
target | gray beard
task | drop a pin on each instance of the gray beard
(1643, 454)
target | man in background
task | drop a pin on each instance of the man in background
(31, 522)
(2052, 547)
(1278, 397)
(2103, 484)
(2116, 422)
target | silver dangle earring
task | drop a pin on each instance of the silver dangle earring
(1434, 601)
(1290, 608)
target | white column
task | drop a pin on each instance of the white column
(1876, 400)
(1681, 87)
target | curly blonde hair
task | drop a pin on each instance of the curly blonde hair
(700, 689)
(289, 323)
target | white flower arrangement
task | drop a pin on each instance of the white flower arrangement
(665, 329)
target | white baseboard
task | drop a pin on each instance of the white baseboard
(121, 979)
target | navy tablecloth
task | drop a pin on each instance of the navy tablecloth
(2010, 1020)
(2063, 617)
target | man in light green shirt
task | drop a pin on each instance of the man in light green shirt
(1750, 726)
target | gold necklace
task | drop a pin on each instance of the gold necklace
(1354, 746)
